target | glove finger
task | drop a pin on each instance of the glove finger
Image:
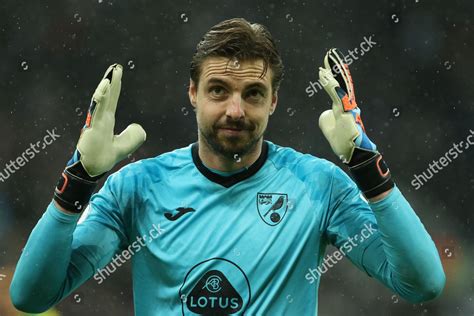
(327, 123)
(129, 140)
(106, 97)
(334, 61)
(330, 85)
(115, 86)
(98, 99)
(341, 132)
(113, 77)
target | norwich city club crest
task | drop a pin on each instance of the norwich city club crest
(272, 207)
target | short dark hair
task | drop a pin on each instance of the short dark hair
(237, 38)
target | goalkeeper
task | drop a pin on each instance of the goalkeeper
(241, 217)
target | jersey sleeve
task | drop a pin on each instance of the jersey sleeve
(386, 239)
(60, 254)
(352, 224)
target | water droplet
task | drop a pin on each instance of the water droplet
(24, 65)
(184, 17)
(396, 113)
(235, 63)
(77, 17)
(291, 204)
(448, 252)
(77, 298)
(448, 65)
(394, 299)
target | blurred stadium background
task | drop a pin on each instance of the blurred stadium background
(415, 88)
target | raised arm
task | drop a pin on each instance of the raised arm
(59, 256)
(399, 252)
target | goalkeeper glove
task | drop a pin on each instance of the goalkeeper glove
(343, 128)
(98, 149)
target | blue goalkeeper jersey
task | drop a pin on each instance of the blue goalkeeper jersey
(253, 242)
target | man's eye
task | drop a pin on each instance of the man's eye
(255, 93)
(216, 91)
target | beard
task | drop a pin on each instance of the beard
(231, 146)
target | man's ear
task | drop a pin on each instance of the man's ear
(274, 103)
(192, 92)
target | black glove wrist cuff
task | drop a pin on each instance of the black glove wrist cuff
(75, 188)
(370, 172)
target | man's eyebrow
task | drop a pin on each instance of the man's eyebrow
(216, 80)
(251, 85)
(257, 85)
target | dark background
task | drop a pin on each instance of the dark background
(415, 89)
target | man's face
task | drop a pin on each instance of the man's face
(232, 104)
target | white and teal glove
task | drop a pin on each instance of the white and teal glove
(98, 149)
(343, 128)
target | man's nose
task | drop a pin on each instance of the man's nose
(235, 109)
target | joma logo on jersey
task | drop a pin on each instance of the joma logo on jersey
(180, 212)
(272, 207)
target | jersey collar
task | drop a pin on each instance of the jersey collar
(228, 181)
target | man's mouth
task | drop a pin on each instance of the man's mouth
(231, 130)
